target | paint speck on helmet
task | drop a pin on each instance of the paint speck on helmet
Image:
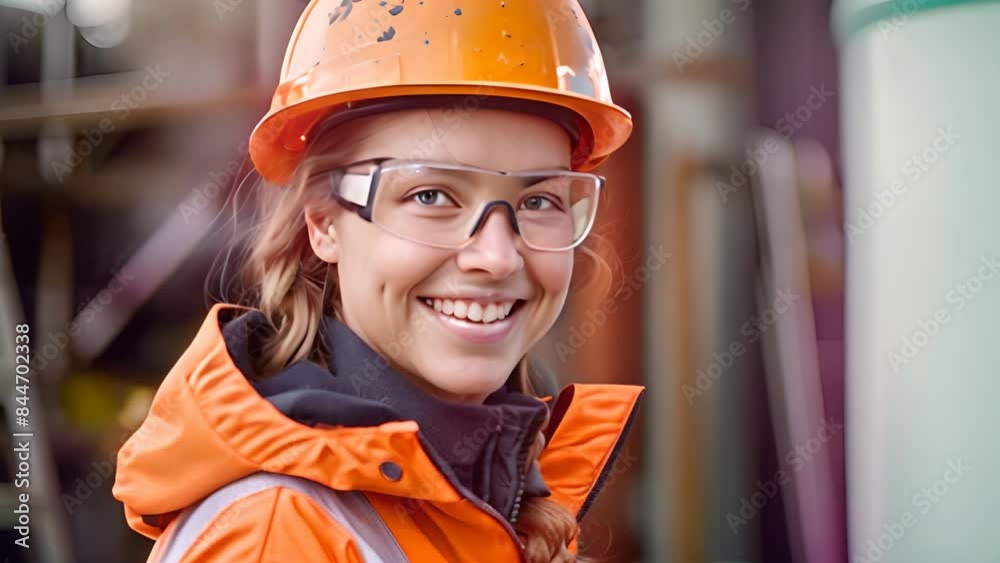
(458, 11)
(395, 10)
(387, 34)
(382, 3)
(427, 41)
(341, 12)
(505, 34)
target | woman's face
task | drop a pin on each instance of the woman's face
(385, 282)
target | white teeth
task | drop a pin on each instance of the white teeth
(475, 312)
(472, 311)
(490, 314)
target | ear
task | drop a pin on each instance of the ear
(322, 234)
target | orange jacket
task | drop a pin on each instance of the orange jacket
(208, 428)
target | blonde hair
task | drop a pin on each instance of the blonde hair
(280, 275)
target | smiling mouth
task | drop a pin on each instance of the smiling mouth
(472, 311)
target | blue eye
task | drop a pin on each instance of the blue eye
(432, 198)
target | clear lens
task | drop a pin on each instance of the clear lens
(440, 205)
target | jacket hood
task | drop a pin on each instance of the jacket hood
(210, 425)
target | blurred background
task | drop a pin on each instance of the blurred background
(803, 218)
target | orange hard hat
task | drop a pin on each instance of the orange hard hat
(346, 54)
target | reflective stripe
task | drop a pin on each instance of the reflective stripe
(350, 509)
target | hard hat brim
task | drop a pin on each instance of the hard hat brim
(279, 140)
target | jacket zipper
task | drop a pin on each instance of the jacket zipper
(467, 495)
(503, 522)
(522, 458)
(517, 503)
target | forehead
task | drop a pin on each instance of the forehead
(492, 139)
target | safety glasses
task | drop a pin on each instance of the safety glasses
(444, 205)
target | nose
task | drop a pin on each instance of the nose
(494, 248)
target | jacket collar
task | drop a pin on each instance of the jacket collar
(483, 448)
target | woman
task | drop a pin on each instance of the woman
(367, 394)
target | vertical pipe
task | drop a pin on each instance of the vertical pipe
(693, 123)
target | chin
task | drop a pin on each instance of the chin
(470, 378)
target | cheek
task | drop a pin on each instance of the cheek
(404, 265)
(551, 271)
(379, 266)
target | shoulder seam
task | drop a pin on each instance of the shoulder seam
(210, 525)
(270, 521)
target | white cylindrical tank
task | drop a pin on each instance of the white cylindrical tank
(921, 138)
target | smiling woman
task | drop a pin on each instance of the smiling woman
(457, 357)
(364, 390)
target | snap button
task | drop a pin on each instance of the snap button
(391, 471)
